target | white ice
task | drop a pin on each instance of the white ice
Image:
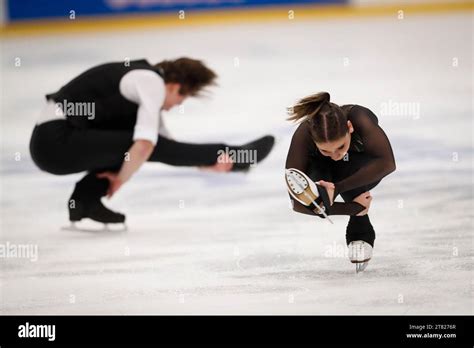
(235, 246)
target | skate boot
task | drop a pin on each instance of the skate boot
(360, 238)
(85, 202)
(95, 211)
(262, 147)
(360, 253)
(307, 192)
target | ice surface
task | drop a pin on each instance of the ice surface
(236, 247)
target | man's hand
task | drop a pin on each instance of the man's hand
(364, 199)
(138, 153)
(329, 186)
(114, 182)
(224, 164)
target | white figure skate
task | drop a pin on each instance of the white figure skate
(304, 190)
(360, 253)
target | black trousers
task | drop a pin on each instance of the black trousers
(323, 168)
(59, 148)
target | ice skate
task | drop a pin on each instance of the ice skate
(360, 253)
(305, 191)
(262, 147)
(97, 212)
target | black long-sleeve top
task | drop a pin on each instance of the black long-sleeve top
(368, 137)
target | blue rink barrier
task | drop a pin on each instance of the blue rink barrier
(42, 9)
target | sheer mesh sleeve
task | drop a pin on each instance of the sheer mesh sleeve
(376, 145)
(301, 149)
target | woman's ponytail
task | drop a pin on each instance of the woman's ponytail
(308, 106)
(327, 120)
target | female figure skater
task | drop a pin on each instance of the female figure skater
(107, 121)
(346, 152)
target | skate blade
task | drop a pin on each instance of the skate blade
(366, 260)
(361, 266)
(119, 227)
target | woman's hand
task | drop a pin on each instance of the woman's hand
(364, 199)
(329, 186)
(115, 182)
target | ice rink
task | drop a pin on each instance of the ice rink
(207, 243)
